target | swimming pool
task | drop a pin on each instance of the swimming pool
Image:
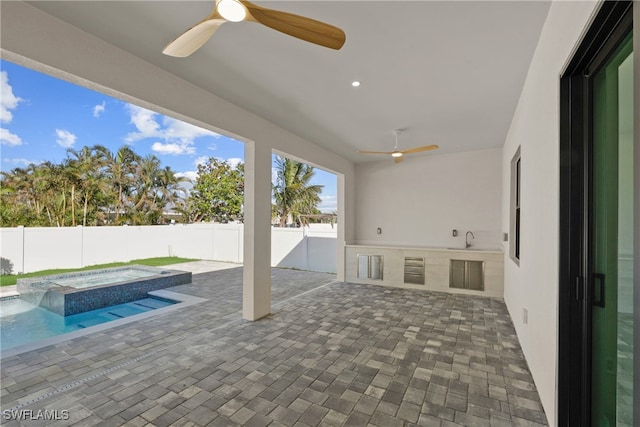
(22, 322)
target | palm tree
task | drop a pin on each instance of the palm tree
(121, 168)
(50, 189)
(168, 186)
(154, 188)
(89, 167)
(146, 174)
(292, 193)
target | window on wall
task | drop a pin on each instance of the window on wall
(514, 248)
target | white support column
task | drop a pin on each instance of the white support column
(256, 288)
(341, 268)
(346, 221)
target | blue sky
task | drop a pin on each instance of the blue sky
(41, 117)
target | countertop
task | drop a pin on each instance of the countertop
(428, 248)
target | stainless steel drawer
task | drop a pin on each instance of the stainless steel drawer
(416, 279)
(414, 270)
(466, 274)
(370, 267)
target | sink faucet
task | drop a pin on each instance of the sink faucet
(466, 239)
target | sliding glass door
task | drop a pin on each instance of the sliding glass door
(597, 227)
(612, 239)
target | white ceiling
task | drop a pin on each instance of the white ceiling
(450, 72)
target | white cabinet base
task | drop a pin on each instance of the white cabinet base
(437, 264)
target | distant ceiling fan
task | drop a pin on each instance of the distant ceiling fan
(396, 153)
(242, 10)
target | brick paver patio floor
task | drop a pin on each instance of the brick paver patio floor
(331, 354)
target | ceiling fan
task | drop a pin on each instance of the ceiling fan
(396, 153)
(242, 10)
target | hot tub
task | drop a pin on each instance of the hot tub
(73, 293)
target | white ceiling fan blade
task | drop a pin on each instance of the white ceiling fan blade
(192, 39)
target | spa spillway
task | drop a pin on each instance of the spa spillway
(73, 293)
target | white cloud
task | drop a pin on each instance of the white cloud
(175, 129)
(179, 137)
(8, 138)
(191, 175)
(172, 148)
(99, 109)
(201, 161)
(64, 138)
(8, 101)
(144, 121)
(22, 161)
(328, 203)
(234, 161)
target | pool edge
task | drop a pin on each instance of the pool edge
(182, 300)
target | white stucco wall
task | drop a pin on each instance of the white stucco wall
(535, 128)
(420, 201)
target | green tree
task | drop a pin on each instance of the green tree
(52, 192)
(292, 192)
(90, 187)
(30, 197)
(89, 167)
(149, 192)
(121, 167)
(217, 194)
(16, 203)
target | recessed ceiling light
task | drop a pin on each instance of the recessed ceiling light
(355, 83)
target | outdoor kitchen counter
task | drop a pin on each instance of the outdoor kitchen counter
(437, 267)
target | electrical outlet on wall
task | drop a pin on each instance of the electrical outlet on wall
(525, 316)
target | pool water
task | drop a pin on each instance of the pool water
(22, 322)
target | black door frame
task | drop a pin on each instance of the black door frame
(613, 21)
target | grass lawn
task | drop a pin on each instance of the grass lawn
(153, 262)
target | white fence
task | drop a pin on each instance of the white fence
(33, 249)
